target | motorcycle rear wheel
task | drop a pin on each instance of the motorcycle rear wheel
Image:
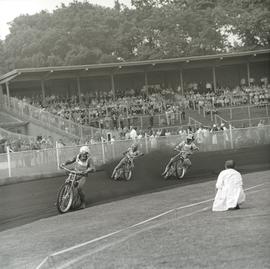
(76, 201)
(127, 172)
(64, 198)
(179, 169)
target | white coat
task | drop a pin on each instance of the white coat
(229, 190)
(133, 134)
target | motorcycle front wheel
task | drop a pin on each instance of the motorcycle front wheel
(117, 174)
(64, 198)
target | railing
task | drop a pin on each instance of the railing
(219, 120)
(46, 161)
(143, 122)
(49, 120)
(243, 123)
(103, 126)
(174, 130)
(228, 100)
(192, 121)
(240, 112)
(15, 136)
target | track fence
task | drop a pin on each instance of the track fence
(46, 161)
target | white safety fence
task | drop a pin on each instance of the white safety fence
(37, 162)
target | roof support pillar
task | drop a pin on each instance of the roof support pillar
(146, 82)
(248, 73)
(113, 86)
(43, 90)
(1, 96)
(8, 95)
(181, 81)
(214, 78)
(79, 89)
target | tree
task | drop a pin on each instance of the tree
(250, 21)
(2, 58)
(82, 33)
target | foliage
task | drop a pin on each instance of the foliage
(82, 33)
(251, 21)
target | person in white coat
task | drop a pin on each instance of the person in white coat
(229, 185)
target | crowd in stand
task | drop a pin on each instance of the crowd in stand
(102, 110)
(224, 97)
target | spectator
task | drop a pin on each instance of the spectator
(2, 144)
(114, 120)
(214, 134)
(133, 133)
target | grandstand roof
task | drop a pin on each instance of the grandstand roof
(61, 72)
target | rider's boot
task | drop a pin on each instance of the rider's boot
(184, 172)
(113, 174)
(165, 171)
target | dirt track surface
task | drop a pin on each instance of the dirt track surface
(26, 202)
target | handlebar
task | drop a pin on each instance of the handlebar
(141, 154)
(175, 149)
(71, 171)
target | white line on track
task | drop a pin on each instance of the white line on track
(132, 226)
(70, 263)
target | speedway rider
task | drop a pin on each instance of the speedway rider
(129, 156)
(186, 148)
(83, 164)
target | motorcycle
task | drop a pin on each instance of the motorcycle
(179, 166)
(68, 196)
(125, 170)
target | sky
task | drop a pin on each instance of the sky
(10, 9)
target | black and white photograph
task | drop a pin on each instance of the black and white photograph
(134, 134)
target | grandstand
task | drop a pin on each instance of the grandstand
(39, 109)
(103, 85)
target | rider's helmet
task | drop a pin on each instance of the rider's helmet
(84, 150)
(134, 146)
(190, 138)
